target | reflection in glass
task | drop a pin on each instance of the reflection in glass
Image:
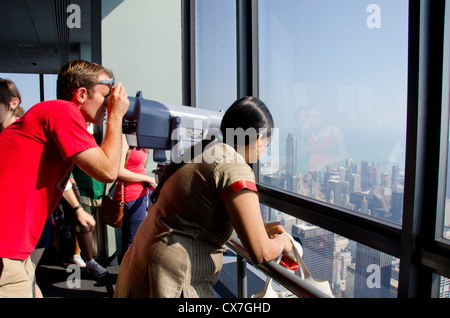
(334, 77)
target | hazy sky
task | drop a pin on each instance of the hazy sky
(347, 58)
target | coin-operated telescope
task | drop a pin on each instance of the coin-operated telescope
(161, 127)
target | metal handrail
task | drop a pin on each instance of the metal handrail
(295, 284)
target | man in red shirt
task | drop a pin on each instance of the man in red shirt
(37, 155)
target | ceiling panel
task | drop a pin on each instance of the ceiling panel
(30, 42)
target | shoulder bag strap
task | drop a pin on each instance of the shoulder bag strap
(304, 270)
(121, 182)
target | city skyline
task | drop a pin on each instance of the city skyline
(345, 184)
(364, 188)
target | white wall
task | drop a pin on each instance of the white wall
(141, 44)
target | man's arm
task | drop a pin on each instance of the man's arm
(102, 163)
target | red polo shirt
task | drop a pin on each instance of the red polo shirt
(35, 166)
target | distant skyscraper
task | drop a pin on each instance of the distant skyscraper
(364, 206)
(340, 189)
(394, 175)
(265, 213)
(397, 205)
(291, 162)
(275, 180)
(352, 167)
(365, 175)
(444, 287)
(269, 214)
(331, 197)
(386, 179)
(355, 183)
(318, 249)
(373, 273)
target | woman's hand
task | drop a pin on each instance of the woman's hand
(260, 240)
(288, 246)
(273, 228)
(150, 182)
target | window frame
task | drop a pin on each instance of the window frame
(416, 242)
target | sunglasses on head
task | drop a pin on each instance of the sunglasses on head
(109, 82)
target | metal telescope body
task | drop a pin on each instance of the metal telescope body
(154, 125)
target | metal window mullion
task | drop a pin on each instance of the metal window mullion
(41, 87)
(437, 258)
(423, 135)
(241, 264)
(188, 53)
(255, 47)
(247, 53)
(444, 145)
(96, 31)
(246, 46)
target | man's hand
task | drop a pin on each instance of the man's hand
(118, 101)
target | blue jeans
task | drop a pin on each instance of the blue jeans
(134, 213)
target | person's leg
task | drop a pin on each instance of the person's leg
(17, 278)
(77, 237)
(85, 240)
(83, 237)
(76, 246)
(44, 242)
(134, 214)
(76, 258)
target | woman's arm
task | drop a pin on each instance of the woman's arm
(127, 175)
(260, 240)
(86, 220)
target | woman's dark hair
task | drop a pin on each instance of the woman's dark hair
(8, 91)
(244, 114)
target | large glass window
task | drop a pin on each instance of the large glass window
(446, 105)
(334, 75)
(352, 269)
(444, 287)
(50, 86)
(215, 57)
(28, 86)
